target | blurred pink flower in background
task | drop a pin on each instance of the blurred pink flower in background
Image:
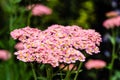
(4, 55)
(68, 67)
(39, 9)
(112, 22)
(95, 64)
(19, 46)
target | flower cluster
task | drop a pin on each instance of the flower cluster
(95, 64)
(112, 22)
(4, 55)
(57, 44)
(39, 9)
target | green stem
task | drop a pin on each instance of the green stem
(112, 61)
(28, 20)
(80, 64)
(49, 72)
(68, 74)
(96, 76)
(33, 70)
(60, 70)
(113, 54)
(11, 42)
(61, 75)
(11, 22)
(29, 16)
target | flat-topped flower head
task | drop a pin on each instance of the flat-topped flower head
(4, 55)
(57, 44)
(39, 9)
(95, 64)
(112, 22)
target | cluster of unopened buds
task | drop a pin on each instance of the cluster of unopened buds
(57, 44)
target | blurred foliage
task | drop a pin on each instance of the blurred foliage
(116, 75)
(14, 15)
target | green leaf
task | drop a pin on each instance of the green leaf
(2, 45)
(116, 76)
(17, 1)
(75, 71)
(112, 39)
(42, 66)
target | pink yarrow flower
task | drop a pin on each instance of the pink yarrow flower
(19, 46)
(39, 9)
(112, 22)
(4, 55)
(95, 64)
(57, 44)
